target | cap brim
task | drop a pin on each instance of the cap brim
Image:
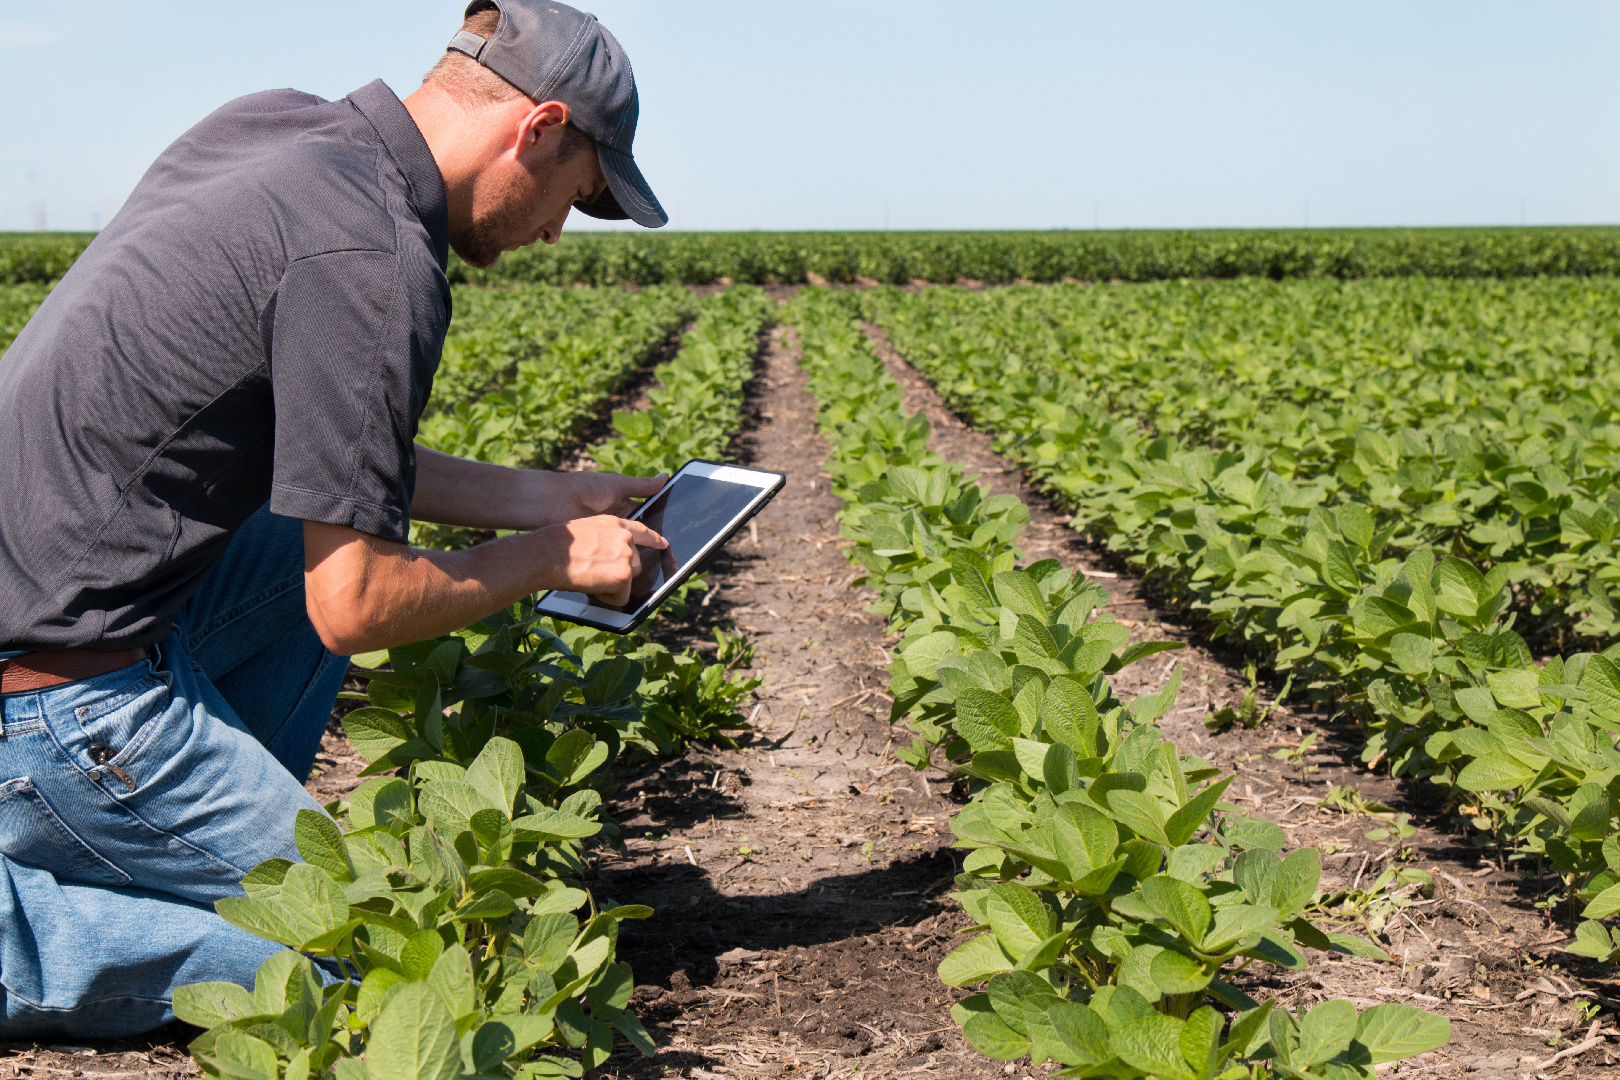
(628, 194)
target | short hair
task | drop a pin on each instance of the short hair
(472, 84)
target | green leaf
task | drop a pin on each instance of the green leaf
(238, 1054)
(260, 919)
(1357, 525)
(497, 772)
(553, 825)
(1253, 833)
(986, 719)
(1141, 813)
(1246, 1030)
(1273, 949)
(350, 1069)
(494, 904)
(630, 1026)
(1326, 1032)
(1355, 946)
(1069, 716)
(991, 1037)
(923, 655)
(1494, 772)
(376, 728)
(266, 878)
(414, 1038)
(1174, 973)
(1142, 858)
(420, 953)
(1306, 933)
(1018, 918)
(373, 993)
(280, 971)
(1187, 820)
(392, 808)
(1591, 939)
(1154, 1046)
(1297, 879)
(1019, 591)
(1459, 585)
(450, 804)
(320, 843)
(1086, 838)
(505, 1036)
(1255, 872)
(1234, 922)
(1082, 1031)
(1190, 862)
(207, 1004)
(1604, 904)
(1515, 689)
(1179, 904)
(507, 879)
(1395, 1031)
(1413, 653)
(451, 977)
(1601, 681)
(974, 960)
(1031, 756)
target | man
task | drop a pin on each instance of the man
(207, 476)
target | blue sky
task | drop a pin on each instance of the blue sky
(833, 115)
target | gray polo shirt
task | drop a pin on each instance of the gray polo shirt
(261, 321)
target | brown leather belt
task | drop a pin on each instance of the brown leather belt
(41, 671)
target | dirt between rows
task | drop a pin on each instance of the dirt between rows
(800, 882)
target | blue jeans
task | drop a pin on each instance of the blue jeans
(109, 871)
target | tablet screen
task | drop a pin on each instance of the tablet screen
(689, 513)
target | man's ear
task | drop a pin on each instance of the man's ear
(540, 125)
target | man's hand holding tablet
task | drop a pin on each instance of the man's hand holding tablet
(605, 555)
(615, 579)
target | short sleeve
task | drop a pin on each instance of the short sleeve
(349, 368)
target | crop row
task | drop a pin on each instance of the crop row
(994, 257)
(524, 369)
(453, 899)
(1115, 893)
(1384, 524)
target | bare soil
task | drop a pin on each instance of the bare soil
(800, 881)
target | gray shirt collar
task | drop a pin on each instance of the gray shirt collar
(404, 142)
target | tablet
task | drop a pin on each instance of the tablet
(697, 511)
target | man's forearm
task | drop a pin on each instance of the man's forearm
(365, 593)
(458, 491)
(377, 594)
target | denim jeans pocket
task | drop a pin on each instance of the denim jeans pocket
(33, 834)
(119, 726)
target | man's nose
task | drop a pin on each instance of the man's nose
(551, 231)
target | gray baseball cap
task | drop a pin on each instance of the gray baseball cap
(552, 52)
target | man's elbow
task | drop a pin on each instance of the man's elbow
(345, 628)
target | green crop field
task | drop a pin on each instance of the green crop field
(620, 258)
(1383, 466)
